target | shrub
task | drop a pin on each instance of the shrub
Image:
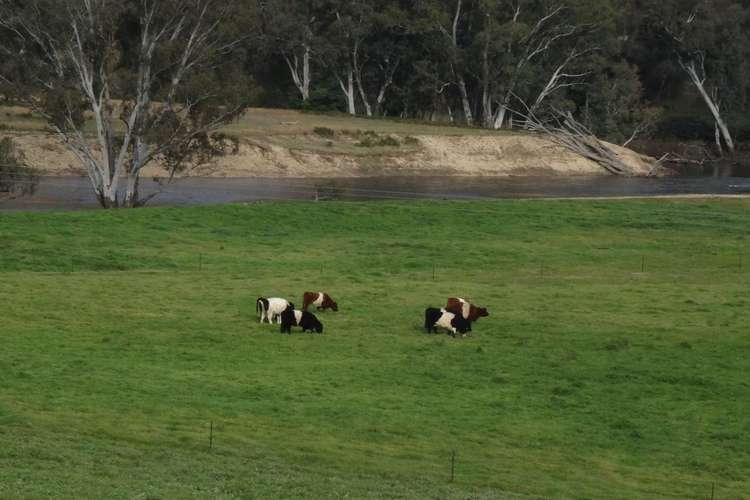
(324, 132)
(16, 178)
(372, 140)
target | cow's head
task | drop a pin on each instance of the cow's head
(318, 326)
(329, 303)
(482, 312)
(461, 324)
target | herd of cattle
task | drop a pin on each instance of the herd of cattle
(456, 317)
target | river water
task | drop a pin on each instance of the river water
(76, 193)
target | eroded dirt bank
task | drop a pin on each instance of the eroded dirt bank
(343, 155)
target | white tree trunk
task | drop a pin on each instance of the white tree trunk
(348, 90)
(459, 79)
(358, 77)
(302, 82)
(560, 79)
(502, 111)
(387, 82)
(699, 83)
(465, 101)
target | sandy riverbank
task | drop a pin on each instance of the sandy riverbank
(283, 143)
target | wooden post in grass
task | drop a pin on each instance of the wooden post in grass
(211, 435)
(453, 464)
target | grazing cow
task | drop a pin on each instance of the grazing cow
(306, 320)
(271, 308)
(465, 309)
(320, 300)
(454, 323)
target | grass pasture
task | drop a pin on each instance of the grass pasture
(614, 364)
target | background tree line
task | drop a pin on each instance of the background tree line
(160, 78)
(624, 68)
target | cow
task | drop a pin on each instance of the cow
(271, 308)
(465, 309)
(320, 300)
(454, 323)
(306, 320)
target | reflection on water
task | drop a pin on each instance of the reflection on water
(716, 169)
(75, 192)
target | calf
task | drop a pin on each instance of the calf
(271, 308)
(466, 310)
(307, 321)
(454, 323)
(320, 300)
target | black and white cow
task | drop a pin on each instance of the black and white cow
(306, 320)
(454, 323)
(270, 309)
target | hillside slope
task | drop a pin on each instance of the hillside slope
(285, 143)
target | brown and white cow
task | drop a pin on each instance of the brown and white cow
(320, 300)
(466, 309)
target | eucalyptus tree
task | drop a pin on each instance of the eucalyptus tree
(292, 30)
(150, 80)
(350, 23)
(710, 42)
(381, 51)
(450, 18)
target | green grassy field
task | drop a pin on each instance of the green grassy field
(614, 364)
